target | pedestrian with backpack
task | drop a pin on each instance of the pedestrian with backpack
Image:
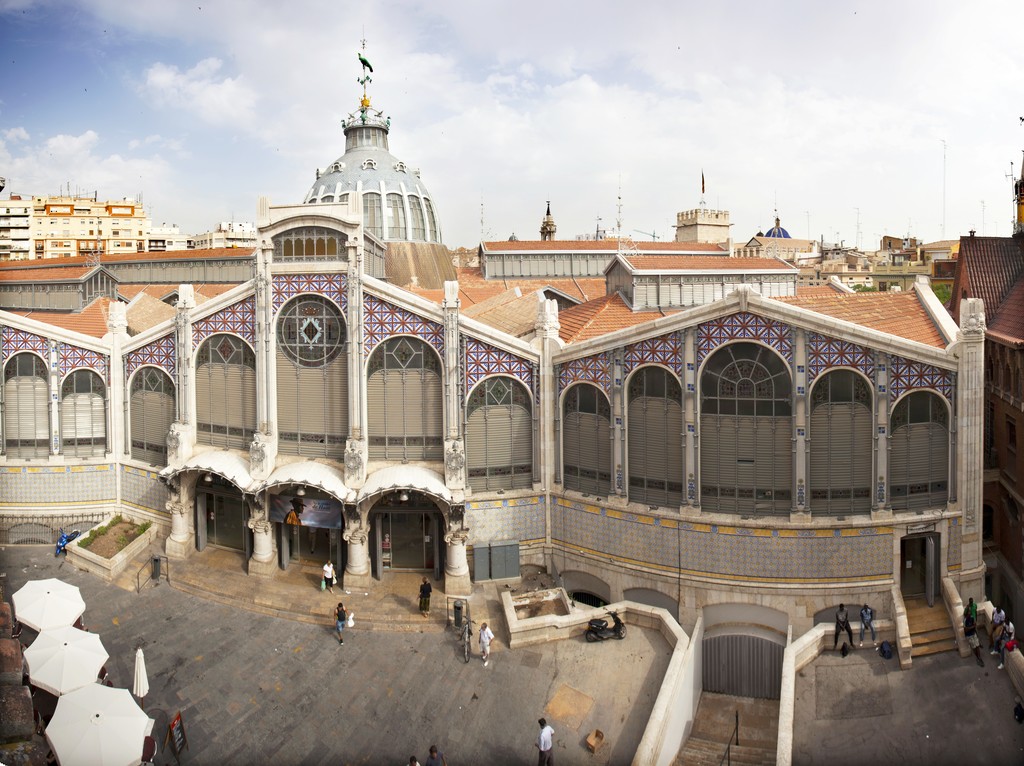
(842, 623)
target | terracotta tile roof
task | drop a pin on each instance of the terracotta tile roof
(473, 288)
(1008, 325)
(53, 274)
(594, 245)
(987, 268)
(899, 314)
(600, 317)
(705, 263)
(146, 312)
(514, 311)
(161, 290)
(170, 255)
(818, 290)
(92, 320)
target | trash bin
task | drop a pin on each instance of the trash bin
(156, 567)
(459, 605)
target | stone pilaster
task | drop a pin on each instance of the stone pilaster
(181, 438)
(356, 534)
(454, 447)
(548, 343)
(263, 449)
(618, 419)
(970, 395)
(801, 511)
(356, 445)
(54, 381)
(261, 563)
(881, 508)
(690, 416)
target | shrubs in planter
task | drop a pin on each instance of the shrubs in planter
(112, 537)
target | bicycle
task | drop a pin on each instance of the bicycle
(467, 635)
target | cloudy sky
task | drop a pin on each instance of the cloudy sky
(834, 113)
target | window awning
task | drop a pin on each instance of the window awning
(228, 465)
(310, 474)
(398, 477)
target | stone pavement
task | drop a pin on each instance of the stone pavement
(944, 710)
(254, 688)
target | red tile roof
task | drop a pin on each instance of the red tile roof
(600, 317)
(992, 268)
(818, 290)
(92, 320)
(52, 274)
(215, 253)
(705, 263)
(1008, 325)
(899, 314)
(473, 288)
(602, 245)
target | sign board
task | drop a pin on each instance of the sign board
(176, 736)
(305, 511)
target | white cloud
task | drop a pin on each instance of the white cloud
(223, 100)
(16, 134)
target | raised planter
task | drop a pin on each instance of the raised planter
(109, 568)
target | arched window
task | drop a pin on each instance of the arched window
(373, 219)
(435, 234)
(919, 452)
(746, 431)
(152, 412)
(404, 401)
(499, 435)
(83, 414)
(841, 444)
(419, 232)
(586, 440)
(225, 392)
(396, 217)
(309, 243)
(312, 379)
(26, 407)
(655, 437)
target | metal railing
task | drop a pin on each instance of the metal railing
(734, 739)
(165, 571)
(42, 528)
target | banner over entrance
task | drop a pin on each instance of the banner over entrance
(305, 511)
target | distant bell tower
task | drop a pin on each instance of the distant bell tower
(547, 226)
(1018, 204)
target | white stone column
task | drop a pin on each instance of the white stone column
(355, 445)
(54, 382)
(261, 563)
(801, 511)
(690, 416)
(881, 508)
(358, 573)
(181, 542)
(117, 325)
(618, 418)
(456, 569)
(970, 396)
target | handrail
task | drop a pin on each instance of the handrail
(727, 755)
(165, 571)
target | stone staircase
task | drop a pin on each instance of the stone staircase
(930, 628)
(713, 726)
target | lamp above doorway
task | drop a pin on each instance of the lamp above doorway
(404, 497)
(301, 492)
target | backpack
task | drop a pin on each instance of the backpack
(845, 650)
(885, 650)
(1018, 712)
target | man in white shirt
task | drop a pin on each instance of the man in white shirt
(546, 757)
(995, 627)
(486, 636)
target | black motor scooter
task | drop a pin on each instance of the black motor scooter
(598, 630)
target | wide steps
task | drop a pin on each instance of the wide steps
(705, 752)
(930, 629)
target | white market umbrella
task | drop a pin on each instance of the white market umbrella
(140, 687)
(61, 660)
(98, 726)
(46, 604)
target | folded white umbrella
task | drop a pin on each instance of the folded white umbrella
(98, 726)
(140, 687)
(50, 603)
(61, 660)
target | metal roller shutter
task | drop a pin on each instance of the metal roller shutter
(522, 448)
(376, 415)
(26, 417)
(152, 413)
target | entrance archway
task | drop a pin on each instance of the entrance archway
(406, 534)
(221, 515)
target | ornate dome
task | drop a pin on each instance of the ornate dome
(396, 204)
(777, 231)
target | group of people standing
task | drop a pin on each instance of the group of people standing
(867, 620)
(1001, 633)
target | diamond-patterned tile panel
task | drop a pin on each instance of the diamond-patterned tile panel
(159, 353)
(72, 358)
(13, 340)
(483, 359)
(824, 352)
(744, 326)
(238, 319)
(596, 369)
(665, 349)
(332, 286)
(381, 320)
(907, 375)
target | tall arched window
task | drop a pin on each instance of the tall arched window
(152, 412)
(312, 379)
(26, 407)
(225, 392)
(396, 217)
(373, 218)
(83, 414)
(418, 231)
(586, 440)
(746, 431)
(499, 435)
(435, 235)
(655, 437)
(404, 402)
(919, 452)
(841, 445)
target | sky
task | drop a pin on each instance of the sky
(852, 120)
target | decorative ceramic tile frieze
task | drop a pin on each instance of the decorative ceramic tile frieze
(596, 369)
(72, 357)
(824, 352)
(381, 320)
(160, 353)
(907, 375)
(13, 341)
(483, 359)
(665, 349)
(744, 326)
(238, 319)
(332, 286)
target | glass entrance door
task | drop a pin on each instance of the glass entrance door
(225, 521)
(920, 566)
(406, 540)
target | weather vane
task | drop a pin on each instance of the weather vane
(365, 79)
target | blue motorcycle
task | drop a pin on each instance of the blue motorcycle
(63, 539)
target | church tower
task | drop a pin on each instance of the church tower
(547, 226)
(1018, 204)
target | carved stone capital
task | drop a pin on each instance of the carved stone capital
(353, 460)
(454, 455)
(259, 450)
(456, 536)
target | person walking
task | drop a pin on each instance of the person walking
(842, 623)
(971, 634)
(486, 636)
(425, 591)
(867, 620)
(544, 744)
(340, 620)
(330, 577)
(435, 758)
